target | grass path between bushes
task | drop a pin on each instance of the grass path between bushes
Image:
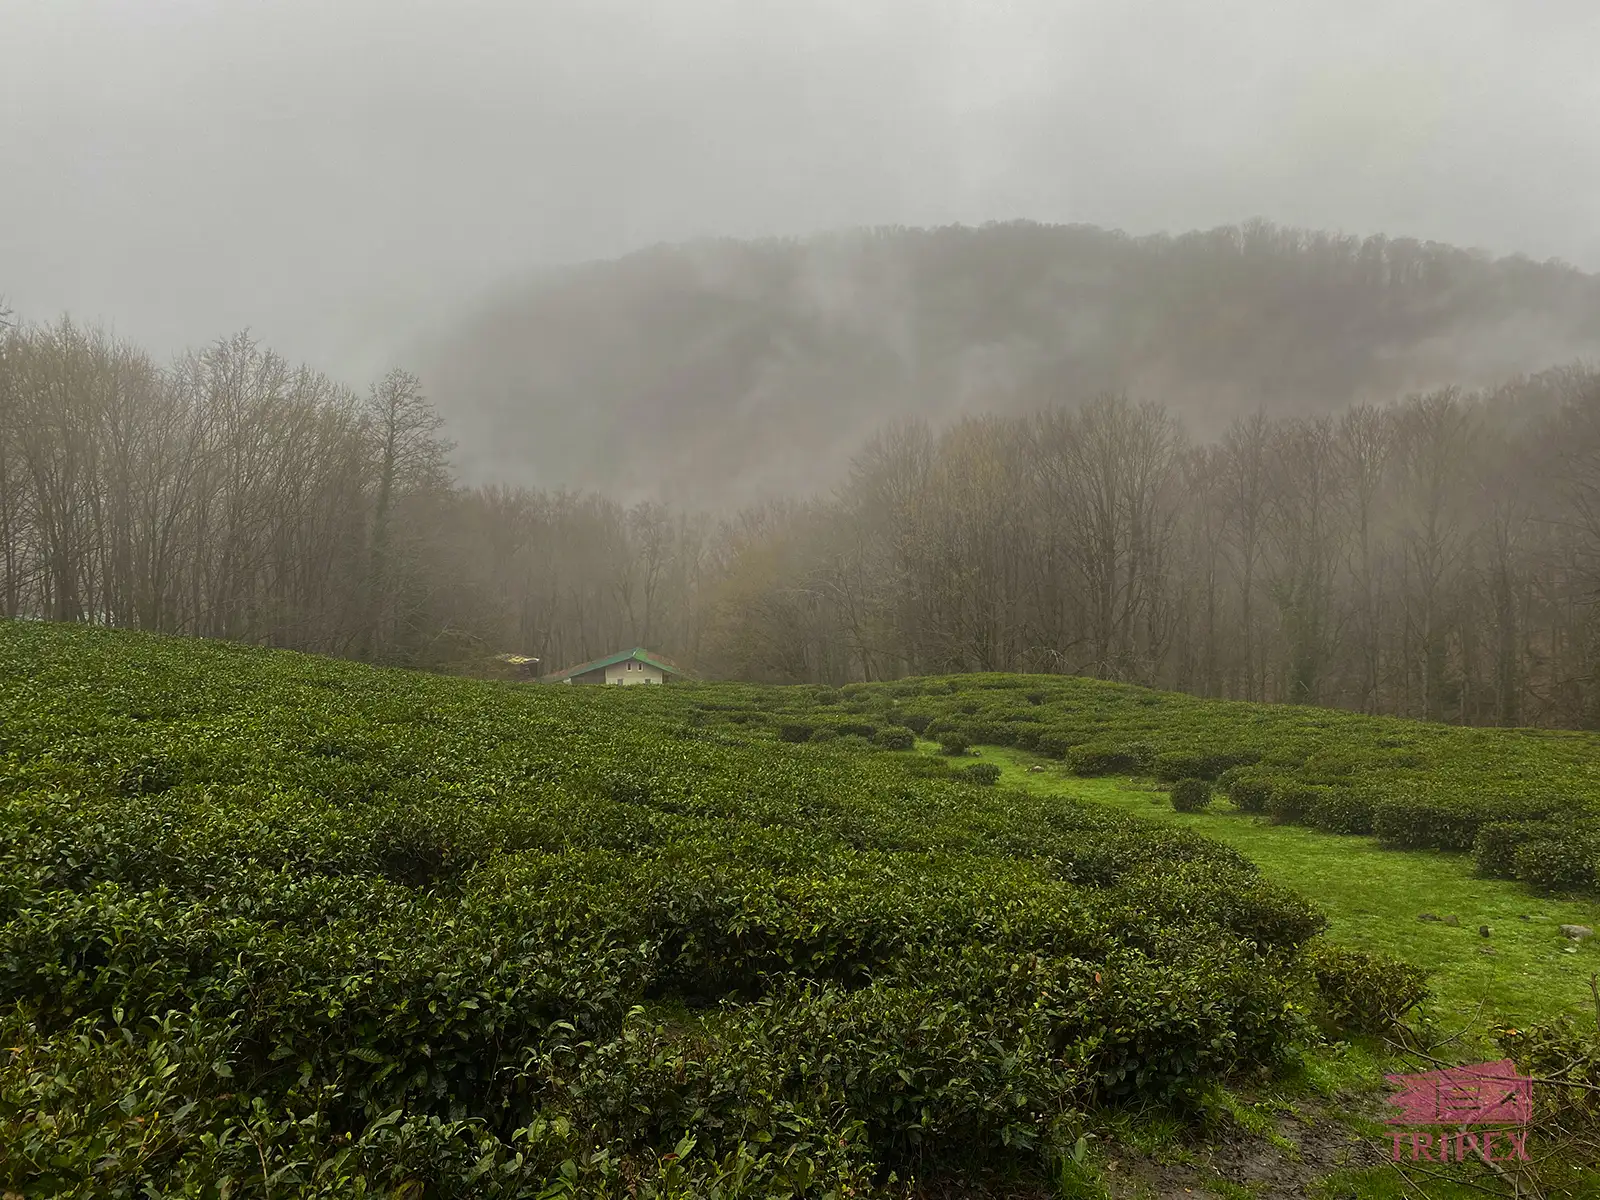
(1373, 897)
(1322, 1135)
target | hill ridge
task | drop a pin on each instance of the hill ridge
(725, 369)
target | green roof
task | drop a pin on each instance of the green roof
(638, 652)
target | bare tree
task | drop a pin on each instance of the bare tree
(408, 457)
(1245, 448)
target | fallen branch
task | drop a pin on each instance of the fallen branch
(1452, 1179)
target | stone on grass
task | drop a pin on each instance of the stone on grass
(1452, 919)
(1483, 931)
(1577, 932)
(1427, 917)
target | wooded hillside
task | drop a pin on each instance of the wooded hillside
(729, 371)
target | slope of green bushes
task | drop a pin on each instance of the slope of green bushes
(282, 925)
(1413, 784)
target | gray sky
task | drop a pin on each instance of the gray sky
(333, 172)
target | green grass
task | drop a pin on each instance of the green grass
(1386, 1183)
(1373, 897)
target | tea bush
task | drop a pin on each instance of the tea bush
(1200, 764)
(1251, 791)
(1191, 795)
(1363, 991)
(275, 919)
(1056, 745)
(1413, 822)
(1341, 810)
(990, 733)
(1291, 801)
(1556, 863)
(1104, 759)
(1566, 1057)
(896, 739)
(1496, 844)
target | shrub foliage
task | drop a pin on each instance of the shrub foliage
(982, 773)
(1191, 795)
(1365, 992)
(280, 925)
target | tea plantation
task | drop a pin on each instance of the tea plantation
(1524, 802)
(274, 925)
(279, 925)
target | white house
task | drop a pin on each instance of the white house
(624, 667)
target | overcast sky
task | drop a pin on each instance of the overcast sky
(333, 172)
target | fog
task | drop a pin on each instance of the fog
(340, 176)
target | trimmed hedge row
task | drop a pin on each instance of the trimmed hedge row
(1413, 784)
(1495, 846)
(1200, 764)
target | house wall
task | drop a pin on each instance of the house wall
(632, 671)
(623, 673)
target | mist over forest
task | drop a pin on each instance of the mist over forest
(720, 372)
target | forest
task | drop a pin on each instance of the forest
(1438, 557)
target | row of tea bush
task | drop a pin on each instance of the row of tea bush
(1525, 802)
